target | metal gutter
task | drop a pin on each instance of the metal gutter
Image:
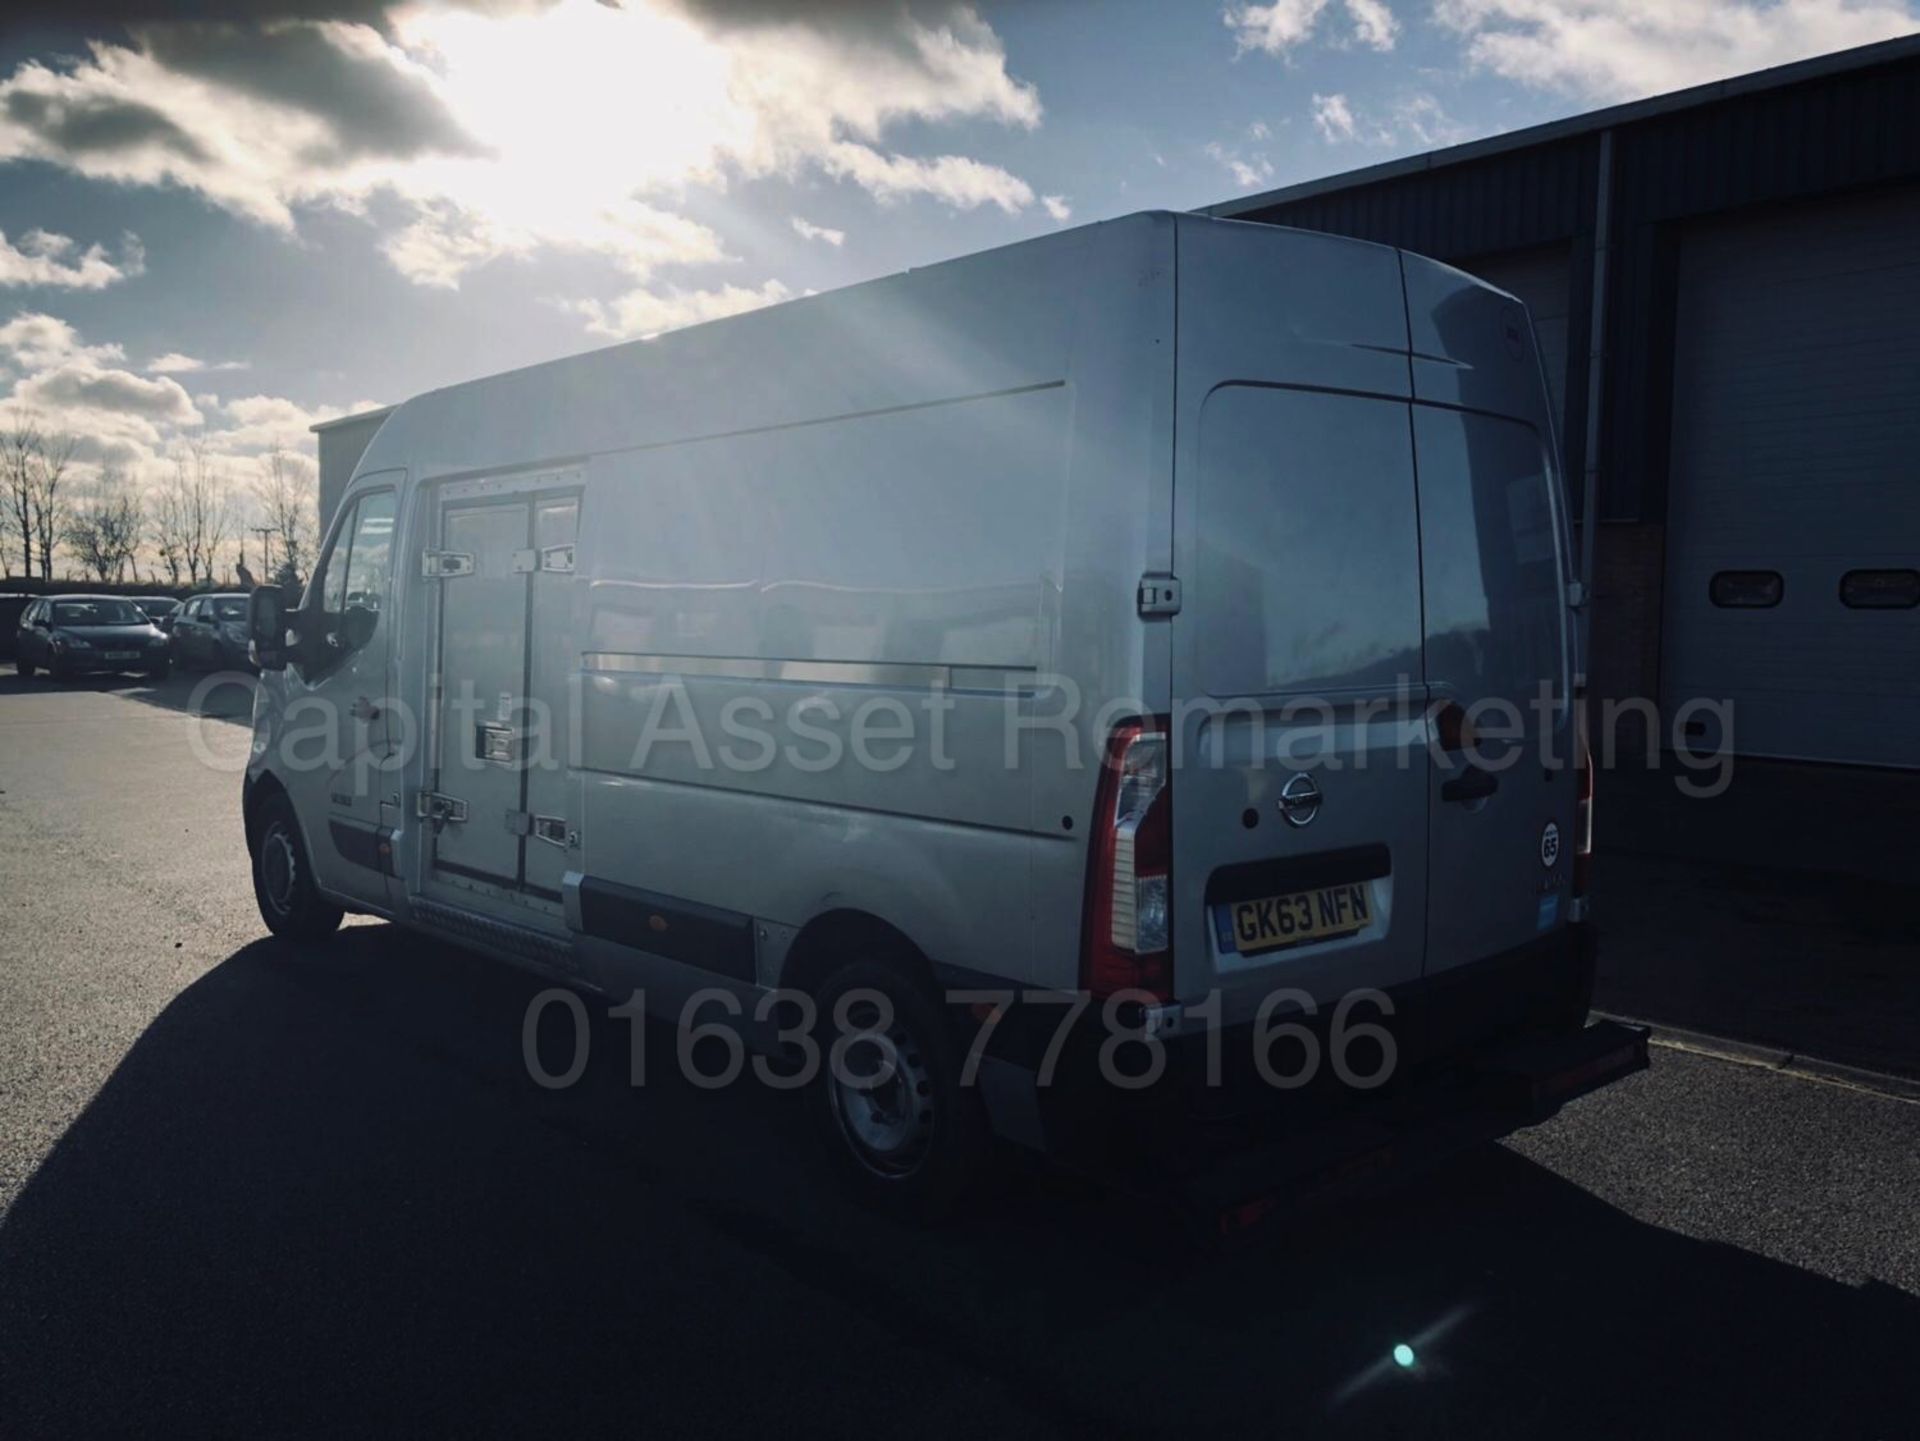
(1596, 392)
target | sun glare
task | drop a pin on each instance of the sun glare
(578, 108)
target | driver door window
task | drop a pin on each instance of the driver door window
(354, 572)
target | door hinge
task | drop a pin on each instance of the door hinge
(1576, 594)
(444, 564)
(1159, 594)
(432, 806)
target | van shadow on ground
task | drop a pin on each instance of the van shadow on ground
(225, 695)
(321, 1194)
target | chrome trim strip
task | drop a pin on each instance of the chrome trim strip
(817, 672)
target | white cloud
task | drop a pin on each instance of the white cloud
(961, 182)
(1278, 27)
(33, 341)
(447, 239)
(46, 259)
(255, 424)
(1373, 23)
(1248, 172)
(1057, 207)
(1416, 119)
(1333, 118)
(1421, 118)
(1259, 130)
(1609, 50)
(807, 230)
(135, 421)
(1275, 28)
(642, 313)
(1258, 173)
(174, 363)
(81, 385)
(507, 130)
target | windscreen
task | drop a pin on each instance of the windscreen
(98, 612)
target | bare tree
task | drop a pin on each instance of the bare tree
(50, 503)
(168, 529)
(104, 526)
(194, 517)
(289, 503)
(19, 462)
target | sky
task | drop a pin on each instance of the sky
(226, 220)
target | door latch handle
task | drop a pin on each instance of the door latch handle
(1472, 784)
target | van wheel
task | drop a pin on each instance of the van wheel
(283, 886)
(895, 1120)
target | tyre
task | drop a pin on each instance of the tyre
(283, 885)
(23, 669)
(896, 1123)
(160, 671)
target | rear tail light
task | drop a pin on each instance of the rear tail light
(1583, 816)
(1125, 938)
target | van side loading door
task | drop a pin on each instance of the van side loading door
(501, 787)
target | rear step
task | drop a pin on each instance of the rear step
(1510, 1086)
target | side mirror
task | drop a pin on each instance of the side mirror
(357, 626)
(267, 627)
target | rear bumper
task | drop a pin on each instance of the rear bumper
(1473, 1054)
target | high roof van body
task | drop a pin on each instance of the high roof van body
(1170, 615)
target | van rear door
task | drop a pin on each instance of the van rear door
(1497, 627)
(1300, 787)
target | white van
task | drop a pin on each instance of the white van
(1117, 687)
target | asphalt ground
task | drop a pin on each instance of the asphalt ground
(255, 1191)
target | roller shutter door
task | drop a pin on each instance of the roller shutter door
(1794, 513)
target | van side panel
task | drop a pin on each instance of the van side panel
(819, 549)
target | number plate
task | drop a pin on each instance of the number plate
(123, 655)
(1273, 923)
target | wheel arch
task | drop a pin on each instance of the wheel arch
(844, 933)
(254, 795)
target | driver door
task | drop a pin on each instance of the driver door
(338, 723)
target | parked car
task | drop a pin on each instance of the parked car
(1080, 525)
(210, 632)
(69, 635)
(157, 607)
